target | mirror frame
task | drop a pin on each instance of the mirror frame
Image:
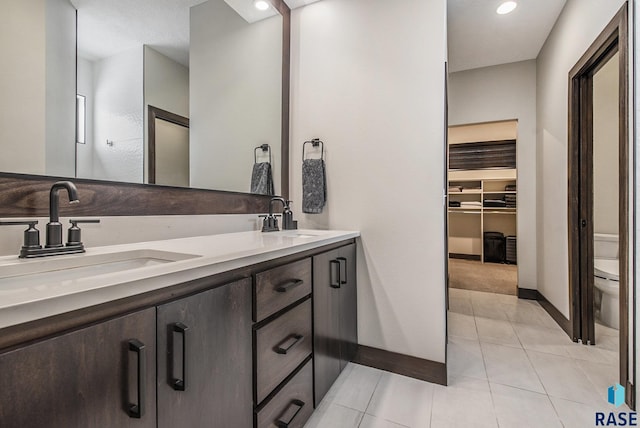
(24, 195)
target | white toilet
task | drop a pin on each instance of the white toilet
(607, 280)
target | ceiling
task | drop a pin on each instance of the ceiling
(479, 37)
(106, 28)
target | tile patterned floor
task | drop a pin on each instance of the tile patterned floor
(510, 365)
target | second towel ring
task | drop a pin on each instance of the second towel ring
(314, 143)
(264, 148)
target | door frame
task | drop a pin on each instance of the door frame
(153, 114)
(614, 38)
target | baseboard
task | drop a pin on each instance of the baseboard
(475, 257)
(530, 294)
(527, 293)
(406, 365)
(557, 316)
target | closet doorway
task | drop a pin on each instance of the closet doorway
(482, 211)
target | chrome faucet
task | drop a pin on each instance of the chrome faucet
(54, 227)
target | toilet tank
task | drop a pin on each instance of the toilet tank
(605, 246)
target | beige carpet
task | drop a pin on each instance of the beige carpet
(490, 277)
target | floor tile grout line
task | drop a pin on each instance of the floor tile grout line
(484, 362)
(493, 403)
(373, 393)
(537, 322)
(534, 370)
(574, 363)
(544, 387)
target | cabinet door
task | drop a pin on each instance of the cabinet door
(348, 333)
(99, 376)
(204, 359)
(326, 319)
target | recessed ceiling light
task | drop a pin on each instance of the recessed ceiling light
(261, 4)
(506, 7)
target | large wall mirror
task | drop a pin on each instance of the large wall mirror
(185, 93)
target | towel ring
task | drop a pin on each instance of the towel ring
(264, 148)
(314, 143)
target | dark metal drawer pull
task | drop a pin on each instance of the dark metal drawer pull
(283, 288)
(334, 283)
(343, 279)
(288, 344)
(292, 409)
(137, 410)
(177, 383)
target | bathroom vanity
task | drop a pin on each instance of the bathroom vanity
(236, 330)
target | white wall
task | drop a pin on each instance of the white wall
(577, 27)
(60, 99)
(368, 79)
(118, 117)
(37, 83)
(235, 97)
(22, 85)
(84, 152)
(606, 147)
(506, 92)
(166, 86)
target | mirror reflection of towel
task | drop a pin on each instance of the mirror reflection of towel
(261, 179)
(314, 186)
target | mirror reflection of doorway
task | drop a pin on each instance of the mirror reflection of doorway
(168, 148)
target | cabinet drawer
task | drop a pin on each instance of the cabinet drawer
(276, 288)
(281, 346)
(293, 405)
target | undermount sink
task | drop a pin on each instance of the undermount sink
(75, 267)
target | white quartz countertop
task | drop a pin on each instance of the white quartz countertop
(25, 298)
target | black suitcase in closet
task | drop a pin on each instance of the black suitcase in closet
(511, 252)
(494, 247)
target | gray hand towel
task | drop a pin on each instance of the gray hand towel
(314, 186)
(261, 179)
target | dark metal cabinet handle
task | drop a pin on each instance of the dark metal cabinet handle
(288, 344)
(343, 278)
(283, 288)
(290, 413)
(137, 410)
(334, 283)
(177, 383)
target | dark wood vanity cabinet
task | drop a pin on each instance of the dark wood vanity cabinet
(283, 345)
(238, 349)
(204, 359)
(102, 376)
(334, 315)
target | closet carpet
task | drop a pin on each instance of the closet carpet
(489, 277)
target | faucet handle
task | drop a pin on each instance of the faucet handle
(31, 234)
(73, 235)
(76, 221)
(270, 223)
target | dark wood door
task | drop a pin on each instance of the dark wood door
(326, 322)
(348, 333)
(204, 359)
(86, 378)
